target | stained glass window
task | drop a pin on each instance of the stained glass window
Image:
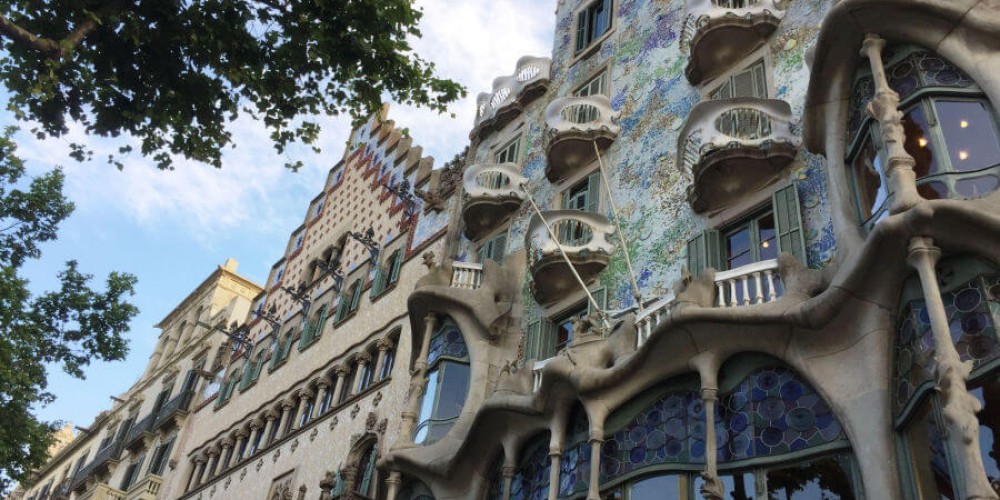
(574, 468)
(447, 384)
(531, 482)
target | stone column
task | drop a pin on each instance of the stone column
(364, 359)
(712, 487)
(383, 345)
(508, 471)
(957, 405)
(596, 440)
(418, 382)
(213, 463)
(286, 410)
(241, 441)
(256, 427)
(270, 420)
(323, 386)
(169, 345)
(555, 461)
(195, 478)
(884, 107)
(339, 389)
(225, 455)
(304, 398)
(393, 482)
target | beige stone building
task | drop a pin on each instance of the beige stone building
(129, 449)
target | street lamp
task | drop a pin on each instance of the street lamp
(331, 268)
(404, 193)
(301, 295)
(368, 241)
(239, 337)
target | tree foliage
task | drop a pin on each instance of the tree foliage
(176, 73)
(67, 327)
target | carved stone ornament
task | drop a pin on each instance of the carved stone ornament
(313, 434)
(333, 422)
(243, 473)
(260, 463)
(302, 492)
(370, 421)
(428, 260)
(211, 492)
(355, 410)
(295, 445)
(378, 398)
(229, 481)
(382, 426)
(277, 453)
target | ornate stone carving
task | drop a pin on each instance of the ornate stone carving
(295, 445)
(377, 399)
(370, 421)
(229, 481)
(302, 492)
(382, 425)
(260, 463)
(313, 434)
(355, 410)
(243, 473)
(333, 422)
(277, 453)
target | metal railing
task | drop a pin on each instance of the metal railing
(653, 314)
(178, 403)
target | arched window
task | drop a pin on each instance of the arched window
(387, 363)
(364, 484)
(348, 387)
(531, 481)
(447, 383)
(365, 373)
(970, 290)
(950, 126)
(387, 274)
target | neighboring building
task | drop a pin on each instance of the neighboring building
(307, 411)
(792, 262)
(130, 448)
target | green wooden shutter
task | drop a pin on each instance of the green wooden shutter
(366, 480)
(247, 377)
(594, 192)
(789, 222)
(531, 341)
(288, 347)
(318, 327)
(497, 247)
(703, 252)
(356, 296)
(378, 284)
(341, 309)
(582, 28)
(547, 339)
(601, 296)
(396, 264)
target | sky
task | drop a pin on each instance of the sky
(171, 229)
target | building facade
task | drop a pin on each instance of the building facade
(129, 449)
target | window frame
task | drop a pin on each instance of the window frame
(510, 150)
(593, 42)
(752, 223)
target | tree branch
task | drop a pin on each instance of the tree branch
(22, 37)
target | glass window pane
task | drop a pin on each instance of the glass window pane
(738, 248)
(970, 133)
(869, 177)
(822, 479)
(657, 488)
(988, 394)
(928, 463)
(766, 237)
(454, 389)
(427, 405)
(919, 143)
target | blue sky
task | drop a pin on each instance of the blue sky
(172, 228)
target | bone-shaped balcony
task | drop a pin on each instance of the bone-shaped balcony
(511, 94)
(731, 147)
(575, 124)
(492, 192)
(719, 33)
(586, 239)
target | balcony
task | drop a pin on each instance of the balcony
(466, 275)
(492, 192)
(511, 94)
(140, 431)
(145, 489)
(574, 125)
(719, 33)
(101, 491)
(752, 284)
(173, 410)
(731, 147)
(584, 236)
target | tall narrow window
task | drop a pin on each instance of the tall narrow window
(749, 82)
(387, 363)
(592, 23)
(447, 384)
(509, 152)
(597, 85)
(493, 249)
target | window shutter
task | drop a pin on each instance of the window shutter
(594, 192)
(789, 222)
(582, 25)
(547, 340)
(531, 341)
(396, 264)
(356, 296)
(288, 347)
(341, 309)
(379, 282)
(247, 377)
(498, 246)
(318, 327)
(483, 253)
(703, 252)
(743, 83)
(366, 480)
(601, 296)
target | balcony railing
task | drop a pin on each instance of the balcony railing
(574, 125)
(466, 275)
(752, 284)
(651, 316)
(730, 147)
(492, 192)
(176, 406)
(536, 374)
(511, 93)
(719, 33)
(102, 491)
(586, 239)
(145, 489)
(139, 430)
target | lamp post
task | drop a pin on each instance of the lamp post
(404, 193)
(331, 268)
(368, 241)
(239, 336)
(271, 317)
(301, 295)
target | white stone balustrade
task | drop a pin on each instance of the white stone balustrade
(752, 284)
(466, 275)
(509, 92)
(536, 374)
(753, 139)
(146, 489)
(651, 316)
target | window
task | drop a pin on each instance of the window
(227, 388)
(349, 302)
(749, 82)
(592, 22)
(160, 458)
(307, 412)
(80, 462)
(546, 336)
(311, 329)
(298, 241)
(387, 362)
(447, 384)
(493, 249)
(273, 434)
(584, 196)
(241, 451)
(387, 274)
(132, 472)
(345, 389)
(327, 401)
(950, 129)
(280, 350)
(762, 236)
(597, 85)
(364, 376)
(364, 485)
(509, 152)
(253, 371)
